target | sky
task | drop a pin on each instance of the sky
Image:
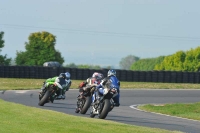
(105, 31)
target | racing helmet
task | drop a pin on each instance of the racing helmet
(99, 76)
(67, 74)
(62, 75)
(111, 72)
(95, 74)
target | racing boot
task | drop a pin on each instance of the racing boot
(52, 97)
(59, 94)
(63, 94)
(116, 101)
(116, 104)
(77, 110)
(43, 86)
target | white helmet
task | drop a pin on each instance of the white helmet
(67, 75)
(111, 72)
(95, 74)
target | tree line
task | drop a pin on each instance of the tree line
(40, 48)
(179, 61)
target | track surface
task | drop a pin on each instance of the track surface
(124, 113)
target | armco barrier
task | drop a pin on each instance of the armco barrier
(82, 74)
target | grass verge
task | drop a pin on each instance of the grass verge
(17, 118)
(25, 84)
(190, 111)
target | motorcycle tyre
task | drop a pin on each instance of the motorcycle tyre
(88, 101)
(105, 110)
(40, 96)
(44, 98)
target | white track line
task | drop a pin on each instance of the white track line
(135, 107)
(21, 91)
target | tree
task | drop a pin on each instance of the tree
(173, 62)
(83, 66)
(3, 58)
(192, 60)
(182, 61)
(71, 65)
(147, 64)
(127, 61)
(39, 49)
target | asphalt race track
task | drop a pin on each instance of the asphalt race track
(126, 112)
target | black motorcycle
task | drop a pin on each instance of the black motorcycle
(49, 94)
(104, 103)
(84, 101)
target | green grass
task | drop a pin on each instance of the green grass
(17, 118)
(45, 121)
(26, 84)
(190, 111)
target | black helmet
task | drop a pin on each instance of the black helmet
(62, 75)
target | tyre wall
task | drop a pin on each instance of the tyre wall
(35, 72)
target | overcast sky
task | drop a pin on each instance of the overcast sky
(102, 32)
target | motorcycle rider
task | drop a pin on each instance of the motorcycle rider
(110, 81)
(86, 85)
(63, 79)
(68, 84)
(91, 81)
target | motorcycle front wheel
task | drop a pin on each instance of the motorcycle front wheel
(45, 98)
(88, 101)
(105, 110)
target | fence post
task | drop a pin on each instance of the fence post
(129, 75)
(185, 77)
(142, 76)
(135, 76)
(2, 71)
(148, 76)
(179, 77)
(161, 75)
(167, 78)
(197, 77)
(86, 74)
(191, 77)
(173, 77)
(154, 76)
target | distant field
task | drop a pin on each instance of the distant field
(24, 84)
